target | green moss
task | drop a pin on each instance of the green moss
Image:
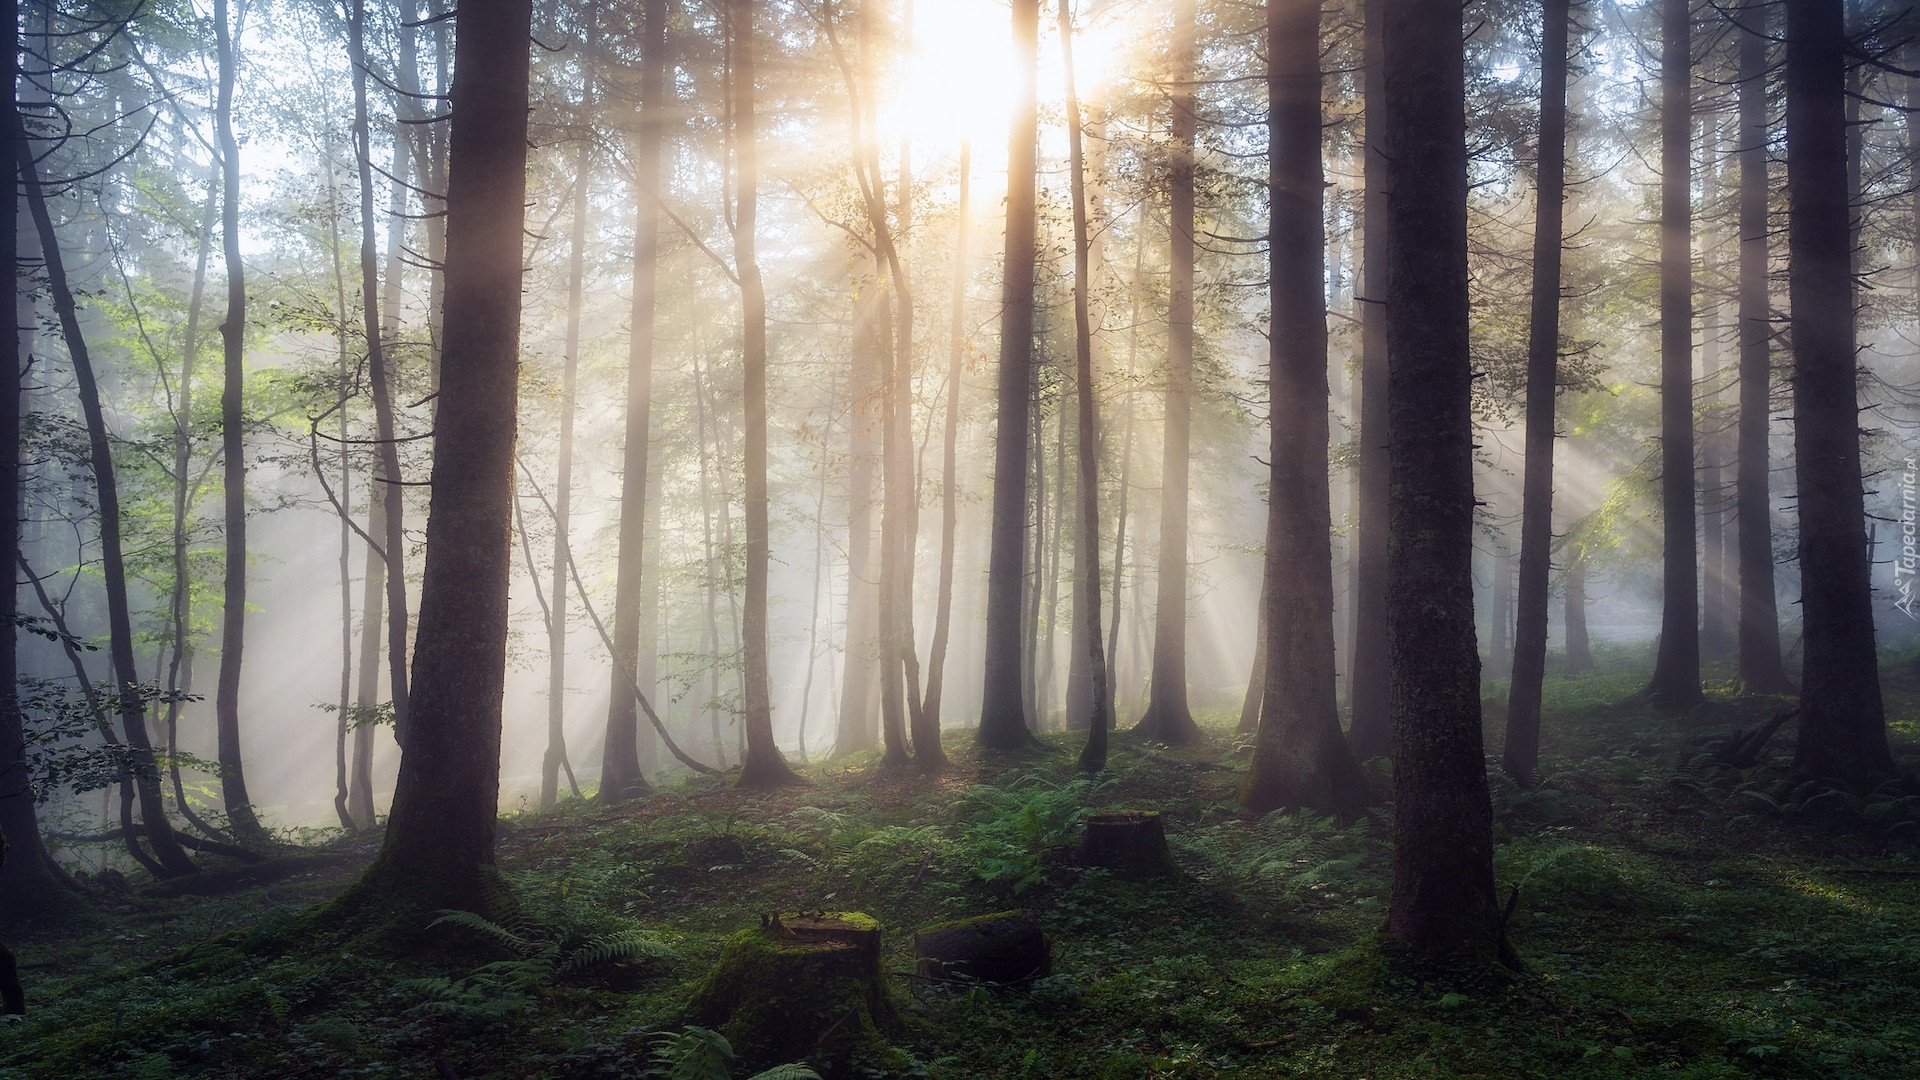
(778, 1000)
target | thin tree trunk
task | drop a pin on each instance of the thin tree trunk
(233, 332)
(1003, 722)
(713, 588)
(949, 460)
(1044, 674)
(1371, 729)
(857, 728)
(1036, 562)
(1086, 562)
(343, 769)
(1251, 705)
(1843, 731)
(1126, 461)
(367, 694)
(1168, 718)
(389, 479)
(762, 766)
(1676, 669)
(1300, 756)
(563, 479)
(1442, 901)
(620, 772)
(1521, 754)
(1761, 668)
(1499, 650)
(438, 851)
(180, 600)
(169, 860)
(29, 886)
(1579, 654)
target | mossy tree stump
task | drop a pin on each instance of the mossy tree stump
(1005, 947)
(1132, 842)
(800, 988)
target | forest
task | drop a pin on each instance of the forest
(783, 539)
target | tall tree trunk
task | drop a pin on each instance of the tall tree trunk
(438, 851)
(1579, 654)
(1843, 731)
(563, 475)
(180, 599)
(949, 456)
(857, 728)
(1676, 669)
(1003, 722)
(233, 333)
(1086, 560)
(367, 692)
(1442, 901)
(762, 765)
(393, 541)
(347, 731)
(1521, 754)
(1714, 594)
(1761, 668)
(29, 886)
(1167, 718)
(620, 772)
(1300, 756)
(1250, 705)
(1371, 731)
(169, 859)
(1126, 459)
(1051, 536)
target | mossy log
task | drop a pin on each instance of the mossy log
(1132, 842)
(1005, 947)
(800, 988)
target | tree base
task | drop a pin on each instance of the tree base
(1002, 948)
(800, 987)
(1132, 842)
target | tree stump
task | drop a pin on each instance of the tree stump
(1005, 947)
(800, 987)
(1131, 842)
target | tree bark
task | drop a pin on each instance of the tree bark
(1676, 669)
(1003, 722)
(1371, 730)
(29, 887)
(857, 727)
(389, 480)
(1442, 901)
(1167, 718)
(1762, 670)
(556, 753)
(168, 860)
(620, 773)
(1086, 562)
(762, 765)
(438, 850)
(367, 691)
(1579, 654)
(949, 457)
(233, 333)
(1300, 756)
(1521, 754)
(1843, 731)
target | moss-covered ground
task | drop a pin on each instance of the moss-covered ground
(1676, 919)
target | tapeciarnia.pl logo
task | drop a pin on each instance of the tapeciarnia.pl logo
(1907, 566)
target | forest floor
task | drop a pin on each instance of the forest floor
(1675, 918)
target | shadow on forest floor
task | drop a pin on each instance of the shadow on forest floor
(1676, 918)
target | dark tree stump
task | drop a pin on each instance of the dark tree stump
(1005, 947)
(800, 987)
(1129, 841)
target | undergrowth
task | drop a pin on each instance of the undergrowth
(1677, 916)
